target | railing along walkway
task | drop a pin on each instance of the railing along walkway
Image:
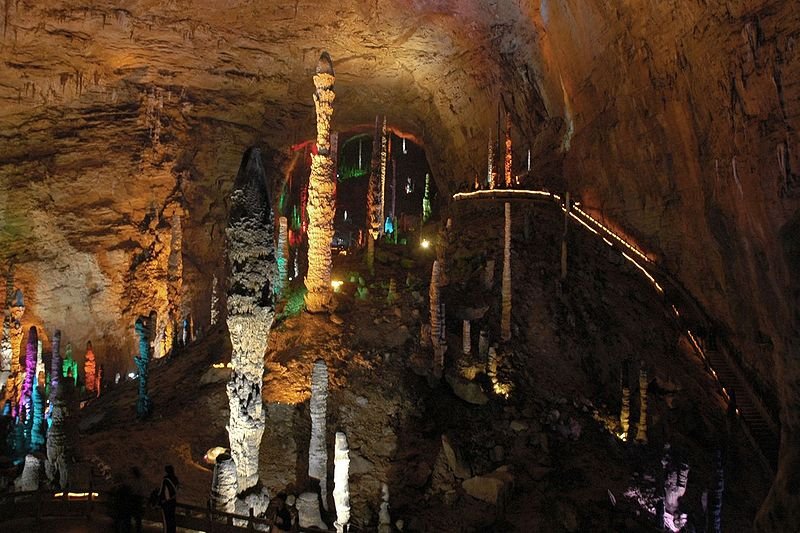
(762, 431)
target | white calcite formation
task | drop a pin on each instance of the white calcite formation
(28, 480)
(641, 428)
(505, 321)
(466, 341)
(317, 451)
(341, 482)
(384, 519)
(438, 340)
(321, 206)
(384, 160)
(251, 263)
(56, 466)
(224, 484)
(308, 511)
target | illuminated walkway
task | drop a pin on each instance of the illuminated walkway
(759, 426)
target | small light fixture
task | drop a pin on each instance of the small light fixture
(425, 243)
(336, 284)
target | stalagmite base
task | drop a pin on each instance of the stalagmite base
(223, 484)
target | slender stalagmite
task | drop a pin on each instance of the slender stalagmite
(715, 495)
(38, 428)
(214, 302)
(438, 340)
(466, 342)
(321, 194)
(282, 257)
(29, 382)
(625, 411)
(341, 482)
(567, 207)
(90, 369)
(508, 161)
(55, 364)
(374, 198)
(317, 451)
(144, 332)
(251, 267)
(175, 279)
(641, 428)
(490, 171)
(384, 161)
(426, 200)
(505, 322)
(15, 332)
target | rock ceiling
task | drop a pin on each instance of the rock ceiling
(676, 119)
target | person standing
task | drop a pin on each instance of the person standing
(167, 496)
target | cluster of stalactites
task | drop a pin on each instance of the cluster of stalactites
(641, 428)
(321, 206)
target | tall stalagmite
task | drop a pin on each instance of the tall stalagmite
(374, 221)
(321, 194)
(144, 332)
(281, 257)
(625, 410)
(438, 338)
(56, 466)
(214, 317)
(317, 451)
(174, 281)
(384, 161)
(38, 428)
(426, 200)
(55, 366)
(90, 369)
(641, 428)
(505, 322)
(491, 173)
(5, 341)
(15, 311)
(26, 392)
(508, 160)
(466, 341)
(251, 268)
(341, 482)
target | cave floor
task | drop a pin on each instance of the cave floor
(552, 434)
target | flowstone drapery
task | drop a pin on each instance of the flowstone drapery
(374, 221)
(56, 465)
(251, 309)
(321, 194)
(317, 451)
(341, 482)
(144, 332)
(505, 322)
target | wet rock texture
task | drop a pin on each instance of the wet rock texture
(678, 121)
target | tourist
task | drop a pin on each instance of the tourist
(168, 498)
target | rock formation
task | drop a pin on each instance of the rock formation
(174, 281)
(675, 488)
(391, 294)
(55, 366)
(374, 193)
(308, 511)
(223, 484)
(508, 155)
(56, 466)
(144, 332)
(488, 274)
(715, 495)
(321, 194)
(466, 341)
(13, 325)
(31, 474)
(641, 428)
(384, 518)
(625, 410)
(90, 369)
(38, 428)
(281, 258)
(491, 173)
(39, 376)
(384, 161)
(251, 266)
(69, 365)
(214, 317)
(426, 200)
(341, 482)
(505, 322)
(317, 450)
(29, 380)
(483, 344)
(438, 338)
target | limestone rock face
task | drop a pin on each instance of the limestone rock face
(251, 265)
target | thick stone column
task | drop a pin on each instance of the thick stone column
(341, 482)
(29, 380)
(321, 194)
(317, 451)
(374, 221)
(144, 332)
(174, 283)
(38, 427)
(505, 322)
(251, 269)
